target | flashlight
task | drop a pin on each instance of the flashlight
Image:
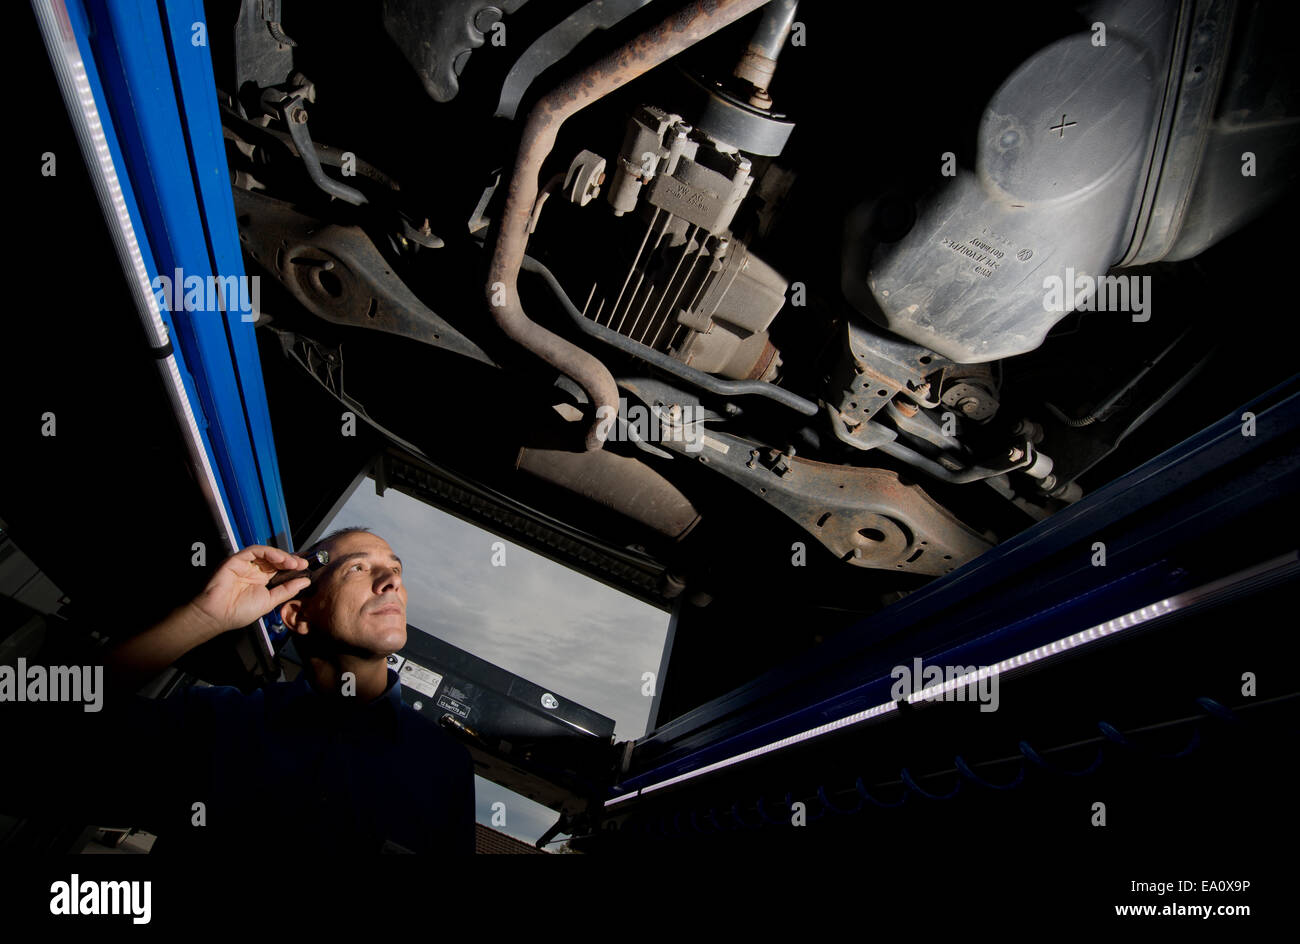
(314, 563)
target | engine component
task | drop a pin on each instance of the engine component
(643, 53)
(758, 64)
(724, 388)
(752, 125)
(751, 129)
(697, 292)
(702, 181)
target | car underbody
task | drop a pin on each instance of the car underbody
(780, 310)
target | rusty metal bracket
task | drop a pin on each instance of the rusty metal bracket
(338, 275)
(290, 107)
(867, 517)
(876, 368)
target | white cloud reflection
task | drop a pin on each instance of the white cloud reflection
(572, 635)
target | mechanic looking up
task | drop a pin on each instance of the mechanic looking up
(333, 761)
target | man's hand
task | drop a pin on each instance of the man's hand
(237, 593)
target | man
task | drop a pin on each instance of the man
(333, 761)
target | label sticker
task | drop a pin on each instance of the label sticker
(452, 705)
(419, 678)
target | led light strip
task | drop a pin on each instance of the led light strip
(767, 748)
(79, 99)
(1053, 649)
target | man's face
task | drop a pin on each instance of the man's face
(360, 599)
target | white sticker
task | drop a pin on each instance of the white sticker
(715, 444)
(419, 678)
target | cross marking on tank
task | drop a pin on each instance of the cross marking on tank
(1062, 126)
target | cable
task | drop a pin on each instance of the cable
(971, 775)
(1121, 739)
(911, 785)
(1034, 756)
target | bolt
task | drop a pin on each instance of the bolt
(300, 115)
(968, 405)
(1015, 454)
(486, 18)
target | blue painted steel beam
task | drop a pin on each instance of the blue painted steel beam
(155, 76)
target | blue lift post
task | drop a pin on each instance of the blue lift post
(140, 78)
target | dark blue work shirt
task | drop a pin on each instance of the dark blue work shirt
(289, 769)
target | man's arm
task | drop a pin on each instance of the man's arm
(236, 596)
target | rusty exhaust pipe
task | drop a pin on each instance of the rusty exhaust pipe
(654, 46)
